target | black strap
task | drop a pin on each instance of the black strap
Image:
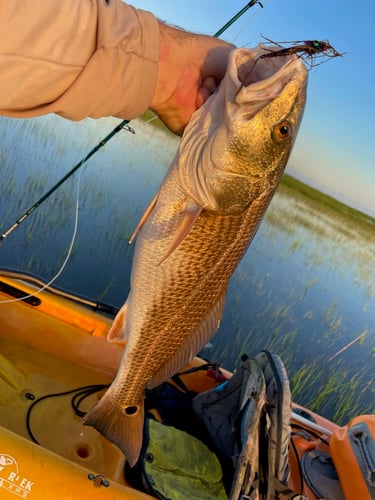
(205, 367)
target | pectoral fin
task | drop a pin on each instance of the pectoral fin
(144, 217)
(188, 218)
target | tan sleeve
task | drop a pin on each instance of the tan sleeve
(76, 58)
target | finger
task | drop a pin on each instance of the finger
(208, 87)
(210, 84)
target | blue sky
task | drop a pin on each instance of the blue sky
(335, 149)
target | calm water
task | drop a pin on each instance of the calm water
(306, 287)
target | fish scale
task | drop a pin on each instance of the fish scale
(195, 232)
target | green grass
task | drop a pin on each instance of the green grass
(328, 201)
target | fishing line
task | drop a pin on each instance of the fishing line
(237, 16)
(70, 249)
(247, 22)
(153, 118)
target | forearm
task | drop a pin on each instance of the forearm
(76, 58)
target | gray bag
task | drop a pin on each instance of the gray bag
(248, 418)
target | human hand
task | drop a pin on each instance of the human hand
(190, 69)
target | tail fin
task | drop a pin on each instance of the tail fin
(121, 426)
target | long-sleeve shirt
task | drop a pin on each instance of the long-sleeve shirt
(76, 58)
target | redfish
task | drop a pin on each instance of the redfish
(197, 228)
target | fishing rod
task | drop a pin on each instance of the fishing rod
(121, 126)
(237, 16)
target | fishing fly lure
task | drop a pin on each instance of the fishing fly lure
(308, 50)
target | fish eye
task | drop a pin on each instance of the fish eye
(282, 132)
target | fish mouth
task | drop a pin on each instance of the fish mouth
(257, 81)
(221, 127)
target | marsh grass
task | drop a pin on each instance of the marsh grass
(322, 200)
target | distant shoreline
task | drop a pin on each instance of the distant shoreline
(328, 201)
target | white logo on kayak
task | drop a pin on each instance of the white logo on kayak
(10, 478)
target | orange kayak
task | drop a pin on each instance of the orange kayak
(53, 342)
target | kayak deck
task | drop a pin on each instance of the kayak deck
(27, 374)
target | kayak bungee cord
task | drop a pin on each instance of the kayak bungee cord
(80, 393)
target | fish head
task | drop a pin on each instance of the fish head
(245, 132)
